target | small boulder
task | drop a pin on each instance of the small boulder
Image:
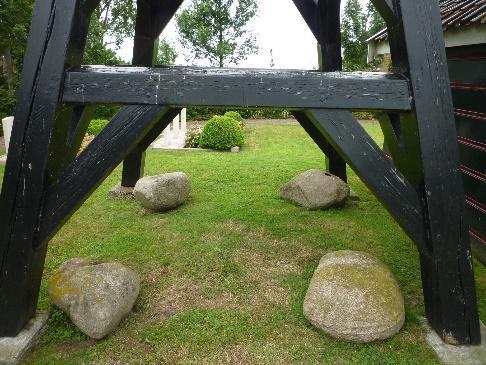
(235, 149)
(315, 189)
(353, 296)
(163, 192)
(95, 295)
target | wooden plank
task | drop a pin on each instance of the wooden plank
(394, 24)
(308, 10)
(52, 47)
(470, 100)
(152, 17)
(468, 71)
(330, 59)
(473, 154)
(376, 170)
(126, 130)
(474, 185)
(181, 86)
(447, 275)
(386, 9)
(471, 126)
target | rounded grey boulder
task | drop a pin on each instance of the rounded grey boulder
(163, 192)
(315, 189)
(95, 295)
(353, 296)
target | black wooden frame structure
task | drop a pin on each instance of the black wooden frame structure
(46, 180)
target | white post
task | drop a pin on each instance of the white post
(7, 130)
(174, 136)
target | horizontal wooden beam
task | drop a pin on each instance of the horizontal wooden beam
(246, 88)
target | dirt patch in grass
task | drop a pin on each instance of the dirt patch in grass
(234, 226)
(185, 294)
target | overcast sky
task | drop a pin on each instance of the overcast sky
(278, 26)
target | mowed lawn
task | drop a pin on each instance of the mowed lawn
(224, 276)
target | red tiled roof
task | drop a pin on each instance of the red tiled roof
(455, 14)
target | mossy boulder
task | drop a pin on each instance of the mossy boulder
(315, 189)
(353, 296)
(163, 192)
(95, 295)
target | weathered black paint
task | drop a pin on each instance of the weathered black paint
(324, 20)
(40, 193)
(417, 45)
(248, 88)
(55, 43)
(152, 17)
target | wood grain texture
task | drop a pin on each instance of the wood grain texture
(328, 35)
(451, 296)
(152, 17)
(52, 47)
(182, 86)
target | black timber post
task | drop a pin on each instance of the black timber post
(417, 45)
(324, 21)
(56, 42)
(152, 17)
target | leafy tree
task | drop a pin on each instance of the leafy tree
(166, 54)
(216, 30)
(14, 28)
(111, 22)
(359, 23)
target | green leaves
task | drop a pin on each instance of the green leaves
(216, 30)
(166, 54)
(359, 23)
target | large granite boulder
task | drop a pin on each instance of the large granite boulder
(95, 295)
(163, 192)
(353, 296)
(315, 189)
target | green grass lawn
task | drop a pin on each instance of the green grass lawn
(224, 276)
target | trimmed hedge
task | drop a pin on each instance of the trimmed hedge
(236, 116)
(96, 126)
(221, 133)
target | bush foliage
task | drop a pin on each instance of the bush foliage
(202, 113)
(221, 133)
(96, 126)
(192, 137)
(236, 116)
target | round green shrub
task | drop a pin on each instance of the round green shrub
(95, 126)
(221, 133)
(236, 116)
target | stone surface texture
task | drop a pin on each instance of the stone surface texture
(163, 192)
(457, 355)
(353, 296)
(13, 349)
(315, 189)
(95, 295)
(121, 192)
